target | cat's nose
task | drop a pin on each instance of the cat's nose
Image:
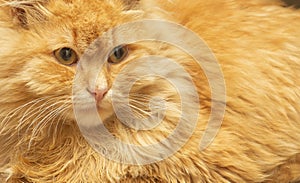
(99, 94)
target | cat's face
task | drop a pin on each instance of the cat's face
(48, 40)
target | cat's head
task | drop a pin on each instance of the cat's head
(42, 41)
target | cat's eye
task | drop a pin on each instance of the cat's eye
(66, 56)
(118, 54)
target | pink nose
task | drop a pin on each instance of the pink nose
(99, 94)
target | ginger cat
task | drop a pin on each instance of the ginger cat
(256, 42)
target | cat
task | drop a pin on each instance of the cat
(256, 43)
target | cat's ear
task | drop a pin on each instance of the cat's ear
(27, 12)
(131, 4)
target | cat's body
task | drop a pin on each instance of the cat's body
(256, 42)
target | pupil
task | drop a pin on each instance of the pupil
(119, 52)
(66, 54)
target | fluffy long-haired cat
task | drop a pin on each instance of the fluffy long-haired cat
(257, 44)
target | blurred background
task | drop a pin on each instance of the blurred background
(295, 3)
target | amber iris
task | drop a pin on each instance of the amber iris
(118, 54)
(66, 56)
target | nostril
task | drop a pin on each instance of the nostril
(98, 94)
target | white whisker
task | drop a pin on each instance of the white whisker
(43, 122)
(17, 110)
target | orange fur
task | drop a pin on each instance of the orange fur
(257, 45)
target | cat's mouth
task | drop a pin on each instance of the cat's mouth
(103, 105)
(87, 104)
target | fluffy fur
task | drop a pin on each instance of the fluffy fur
(257, 45)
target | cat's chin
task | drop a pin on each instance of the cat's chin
(105, 113)
(92, 115)
(90, 119)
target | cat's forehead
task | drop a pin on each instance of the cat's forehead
(87, 19)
